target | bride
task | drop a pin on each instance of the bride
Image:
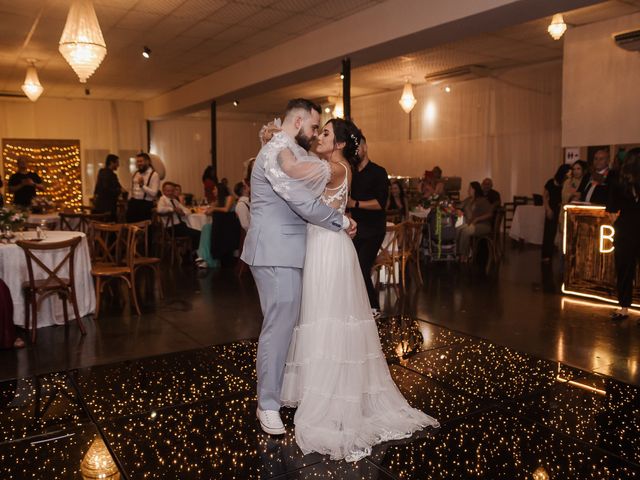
(336, 374)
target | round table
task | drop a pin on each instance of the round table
(528, 224)
(13, 270)
(198, 220)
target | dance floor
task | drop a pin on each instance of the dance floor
(191, 414)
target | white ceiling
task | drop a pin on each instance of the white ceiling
(189, 39)
(518, 45)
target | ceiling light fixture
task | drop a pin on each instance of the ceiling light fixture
(146, 52)
(447, 89)
(327, 109)
(82, 44)
(407, 99)
(557, 27)
(338, 109)
(236, 103)
(31, 86)
(342, 76)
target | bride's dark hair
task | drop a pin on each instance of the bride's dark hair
(347, 132)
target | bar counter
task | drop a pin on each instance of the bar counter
(587, 244)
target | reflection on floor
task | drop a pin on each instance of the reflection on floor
(503, 415)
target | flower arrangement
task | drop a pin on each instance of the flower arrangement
(41, 205)
(12, 218)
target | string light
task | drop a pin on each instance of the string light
(58, 167)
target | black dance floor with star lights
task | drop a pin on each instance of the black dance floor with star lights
(191, 415)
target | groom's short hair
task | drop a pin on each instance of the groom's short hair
(304, 104)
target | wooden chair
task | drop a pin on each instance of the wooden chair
(36, 290)
(410, 254)
(390, 254)
(80, 222)
(167, 237)
(494, 241)
(113, 261)
(141, 258)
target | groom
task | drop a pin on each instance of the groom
(274, 249)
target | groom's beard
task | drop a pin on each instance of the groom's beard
(303, 140)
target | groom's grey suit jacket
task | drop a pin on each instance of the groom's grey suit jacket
(278, 232)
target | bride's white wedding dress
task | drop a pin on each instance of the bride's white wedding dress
(336, 374)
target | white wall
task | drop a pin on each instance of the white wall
(102, 127)
(506, 127)
(184, 144)
(601, 97)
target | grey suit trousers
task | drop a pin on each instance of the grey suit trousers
(280, 290)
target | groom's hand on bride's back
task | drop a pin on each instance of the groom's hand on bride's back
(353, 228)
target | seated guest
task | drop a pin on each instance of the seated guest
(225, 231)
(108, 188)
(598, 190)
(552, 200)
(24, 184)
(490, 194)
(243, 205)
(177, 193)
(169, 203)
(397, 205)
(576, 183)
(478, 214)
(210, 184)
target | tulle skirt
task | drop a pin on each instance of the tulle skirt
(336, 374)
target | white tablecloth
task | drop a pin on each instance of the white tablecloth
(528, 224)
(52, 220)
(13, 270)
(198, 220)
(420, 213)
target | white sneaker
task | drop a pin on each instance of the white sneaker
(270, 421)
(376, 313)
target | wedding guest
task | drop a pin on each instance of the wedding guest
(108, 188)
(478, 214)
(169, 203)
(397, 205)
(369, 192)
(625, 198)
(243, 205)
(247, 177)
(8, 337)
(24, 184)
(225, 230)
(576, 183)
(598, 191)
(210, 184)
(145, 186)
(177, 193)
(490, 194)
(552, 201)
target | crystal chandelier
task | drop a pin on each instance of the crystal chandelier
(82, 44)
(407, 99)
(31, 86)
(557, 27)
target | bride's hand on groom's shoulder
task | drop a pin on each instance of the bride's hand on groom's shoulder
(268, 131)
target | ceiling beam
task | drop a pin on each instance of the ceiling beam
(391, 28)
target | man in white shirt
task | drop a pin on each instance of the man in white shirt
(243, 206)
(598, 190)
(145, 186)
(168, 203)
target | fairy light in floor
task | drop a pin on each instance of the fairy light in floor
(58, 166)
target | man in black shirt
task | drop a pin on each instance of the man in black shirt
(369, 193)
(108, 188)
(24, 184)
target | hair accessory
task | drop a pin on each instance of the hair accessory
(355, 140)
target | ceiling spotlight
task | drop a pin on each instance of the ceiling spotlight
(447, 89)
(342, 76)
(236, 103)
(557, 27)
(146, 52)
(327, 109)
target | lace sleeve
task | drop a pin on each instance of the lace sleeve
(293, 173)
